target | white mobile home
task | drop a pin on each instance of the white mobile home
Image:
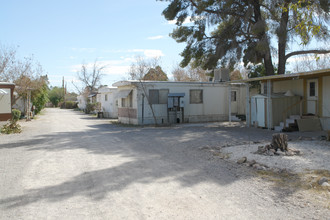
(81, 102)
(107, 96)
(141, 102)
(6, 96)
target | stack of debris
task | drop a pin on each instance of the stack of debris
(279, 142)
(259, 166)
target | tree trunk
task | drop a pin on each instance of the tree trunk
(280, 141)
(263, 39)
(268, 63)
(282, 34)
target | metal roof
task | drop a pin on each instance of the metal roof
(285, 76)
(6, 83)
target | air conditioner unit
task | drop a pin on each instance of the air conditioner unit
(221, 75)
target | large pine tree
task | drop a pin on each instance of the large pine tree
(225, 32)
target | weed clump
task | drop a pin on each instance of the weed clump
(12, 126)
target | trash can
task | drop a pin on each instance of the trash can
(100, 114)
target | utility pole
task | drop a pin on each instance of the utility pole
(63, 87)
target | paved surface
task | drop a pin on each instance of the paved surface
(66, 165)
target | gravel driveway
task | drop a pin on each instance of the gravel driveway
(67, 165)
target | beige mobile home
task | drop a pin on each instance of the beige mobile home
(301, 97)
(176, 102)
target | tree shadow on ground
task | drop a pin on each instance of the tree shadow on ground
(155, 154)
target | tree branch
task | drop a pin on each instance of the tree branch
(300, 52)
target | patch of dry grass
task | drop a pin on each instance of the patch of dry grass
(222, 155)
(306, 182)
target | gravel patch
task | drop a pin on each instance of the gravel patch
(314, 155)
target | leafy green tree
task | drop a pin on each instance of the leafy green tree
(229, 31)
(40, 95)
(56, 95)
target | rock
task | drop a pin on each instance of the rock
(322, 180)
(204, 148)
(325, 184)
(261, 168)
(261, 149)
(272, 150)
(280, 153)
(270, 153)
(289, 153)
(252, 162)
(276, 170)
(242, 160)
(283, 170)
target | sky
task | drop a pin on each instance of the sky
(62, 35)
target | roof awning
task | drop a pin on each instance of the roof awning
(176, 94)
(3, 92)
(123, 93)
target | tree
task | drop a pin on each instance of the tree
(141, 67)
(27, 74)
(190, 74)
(90, 77)
(40, 94)
(155, 74)
(311, 63)
(71, 96)
(56, 95)
(7, 63)
(138, 70)
(236, 75)
(226, 32)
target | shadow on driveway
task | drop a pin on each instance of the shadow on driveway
(155, 153)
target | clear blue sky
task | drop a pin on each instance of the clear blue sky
(62, 35)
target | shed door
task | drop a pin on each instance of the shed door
(312, 96)
(261, 112)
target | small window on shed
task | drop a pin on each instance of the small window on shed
(106, 97)
(196, 96)
(154, 96)
(233, 96)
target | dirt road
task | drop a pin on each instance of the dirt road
(67, 165)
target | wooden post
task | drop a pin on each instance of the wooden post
(316, 108)
(28, 109)
(248, 122)
(229, 101)
(269, 106)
